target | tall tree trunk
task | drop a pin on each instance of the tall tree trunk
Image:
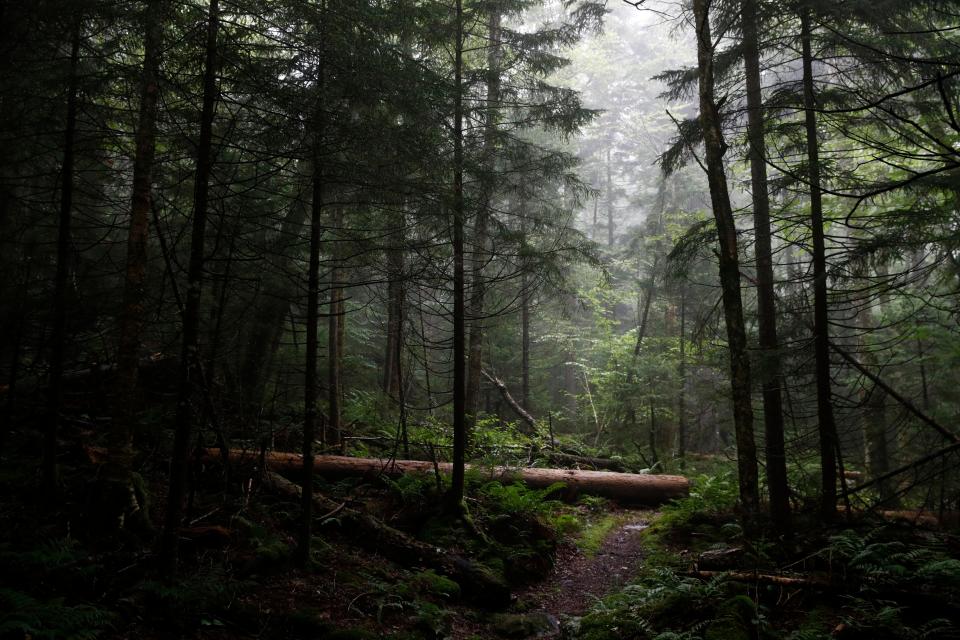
(455, 495)
(766, 300)
(58, 339)
(682, 400)
(525, 341)
(132, 314)
(478, 286)
(875, 429)
(395, 314)
(827, 427)
(335, 338)
(729, 267)
(310, 376)
(191, 378)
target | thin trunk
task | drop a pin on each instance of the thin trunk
(525, 343)
(132, 314)
(729, 268)
(456, 493)
(478, 286)
(609, 201)
(310, 377)
(334, 339)
(49, 470)
(682, 400)
(390, 384)
(827, 426)
(191, 377)
(875, 428)
(654, 456)
(766, 305)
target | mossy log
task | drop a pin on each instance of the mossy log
(476, 581)
(627, 488)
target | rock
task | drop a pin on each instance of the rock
(720, 559)
(527, 626)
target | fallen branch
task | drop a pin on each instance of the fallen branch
(520, 411)
(764, 578)
(477, 582)
(912, 408)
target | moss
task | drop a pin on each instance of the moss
(429, 583)
(593, 535)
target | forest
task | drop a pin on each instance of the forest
(479, 319)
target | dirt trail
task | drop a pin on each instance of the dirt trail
(578, 579)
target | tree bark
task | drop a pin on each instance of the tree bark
(132, 315)
(628, 488)
(682, 400)
(310, 382)
(729, 267)
(396, 298)
(58, 339)
(334, 338)
(766, 301)
(875, 428)
(827, 428)
(455, 495)
(191, 378)
(480, 257)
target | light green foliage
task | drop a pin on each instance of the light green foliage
(517, 499)
(708, 495)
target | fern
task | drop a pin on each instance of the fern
(50, 619)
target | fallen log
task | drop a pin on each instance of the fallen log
(628, 488)
(579, 462)
(476, 581)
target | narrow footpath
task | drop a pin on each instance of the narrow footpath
(579, 579)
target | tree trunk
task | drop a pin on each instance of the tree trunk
(827, 427)
(335, 338)
(58, 339)
(875, 429)
(729, 267)
(396, 296)
(455, 495)
(310, 381)
(682, 400)
(766, 304)
(118, 472)
(191, 378)
(610, 229)
(480, 256)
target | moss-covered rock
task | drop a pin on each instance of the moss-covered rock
(525, 626)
